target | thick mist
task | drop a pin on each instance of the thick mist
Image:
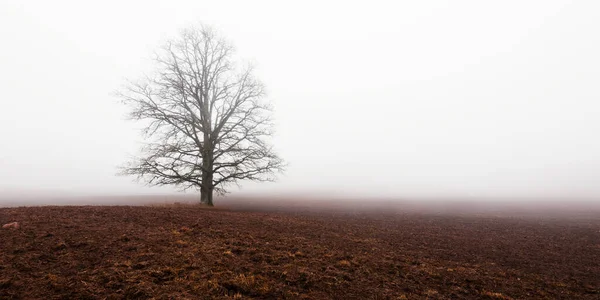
(433, 100)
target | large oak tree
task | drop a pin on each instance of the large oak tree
(206, 121)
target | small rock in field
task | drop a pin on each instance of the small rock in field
(13, 225)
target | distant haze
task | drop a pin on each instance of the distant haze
(391, 99)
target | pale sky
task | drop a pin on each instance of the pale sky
(390, 98)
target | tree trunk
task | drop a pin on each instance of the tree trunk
(206, 191)
(206, 196)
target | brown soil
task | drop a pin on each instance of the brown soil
(185, 252)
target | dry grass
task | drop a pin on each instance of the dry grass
(343, 263)
(496, 295)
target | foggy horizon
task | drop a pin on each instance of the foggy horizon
(436, 100)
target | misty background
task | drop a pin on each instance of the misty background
(409, 99)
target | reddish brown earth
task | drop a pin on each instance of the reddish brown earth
(186, 252)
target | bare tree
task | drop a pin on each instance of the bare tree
(206, 121)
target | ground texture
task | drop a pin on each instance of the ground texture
(192, 253)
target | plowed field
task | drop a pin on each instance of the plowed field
(187, 252)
